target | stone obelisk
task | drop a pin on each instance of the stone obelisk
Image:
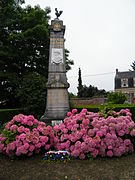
(57, 94)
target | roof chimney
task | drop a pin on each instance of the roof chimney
(116, 71)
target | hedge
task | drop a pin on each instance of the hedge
(7, 114)
(115, 107)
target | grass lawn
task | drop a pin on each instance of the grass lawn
(34, 168)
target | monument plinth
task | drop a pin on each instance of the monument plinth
(57, 95)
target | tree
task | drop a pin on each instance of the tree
(24, 47)
(133, 65)
(9, 10)
(69, 62)
(88, 92)
(72, 95)
(80, 86)
(116, 98)
(32, 93)
(91, 91)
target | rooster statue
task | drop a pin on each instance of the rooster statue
(58, 13)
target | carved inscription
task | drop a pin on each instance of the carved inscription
(57, 55)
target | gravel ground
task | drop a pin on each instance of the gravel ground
(34, 168)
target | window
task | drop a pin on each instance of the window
(134, 82)
(124, 82)
(128, 95)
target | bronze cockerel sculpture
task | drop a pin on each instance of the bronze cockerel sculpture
(58, 13)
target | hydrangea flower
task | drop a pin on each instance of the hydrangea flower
(90, 133)
(25, 135)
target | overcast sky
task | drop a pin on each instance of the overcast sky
(100, 35)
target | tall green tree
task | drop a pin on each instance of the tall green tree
(80, 86)
(24, 48)
(9, 10)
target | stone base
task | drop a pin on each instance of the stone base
(50, 121)
(57, 104)
(56, 113)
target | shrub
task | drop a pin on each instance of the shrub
(115, 107)
(7, 114)
(89, 134)
(84, 135)
(116, 98)
(25, 135)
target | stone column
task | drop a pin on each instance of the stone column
(57, 95)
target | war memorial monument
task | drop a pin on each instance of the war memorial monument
(57, 104)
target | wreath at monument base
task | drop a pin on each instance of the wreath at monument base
(57, 156)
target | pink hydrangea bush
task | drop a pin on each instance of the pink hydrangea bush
(90, 134)
(25, 135)
(82, 134)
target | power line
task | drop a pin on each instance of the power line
(94, 74)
